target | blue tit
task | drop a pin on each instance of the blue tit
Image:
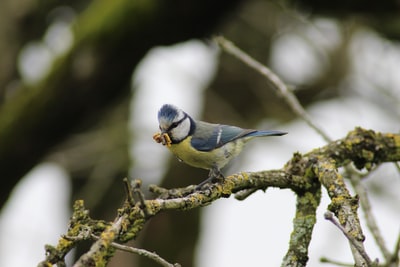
(202, 144)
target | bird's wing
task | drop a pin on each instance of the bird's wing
(209, 136)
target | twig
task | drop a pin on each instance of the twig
(140, 196)
(280, 87)
(97, 250)
(283, 91)
(329, 216)
(395, 257)
(128, 192)
(343, 205)
(298, 174)
(326, 260)
(242, 195)
(397, 165)
(369, 217)
(142, 252)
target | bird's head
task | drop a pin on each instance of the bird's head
(174, 122)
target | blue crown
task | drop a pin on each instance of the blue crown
(168, 112)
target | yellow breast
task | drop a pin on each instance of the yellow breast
(206, 159)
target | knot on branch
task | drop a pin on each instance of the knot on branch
(367, 147)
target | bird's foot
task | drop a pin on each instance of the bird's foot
(214, 176)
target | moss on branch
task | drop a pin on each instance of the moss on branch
(304, 174)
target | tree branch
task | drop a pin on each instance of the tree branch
(303, 225)
(370, 219)
(302, 174)
(283, 91)
(142, 252)
(360, 248)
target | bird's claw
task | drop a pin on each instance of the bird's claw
(214, 176)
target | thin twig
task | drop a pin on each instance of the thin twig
(128, 191)
(142, 252)
(280, 87)
(369, 217)
(96, 251)
(139, 195)
(329, 216)
(326, 260)
(397, 165)
(395, 257)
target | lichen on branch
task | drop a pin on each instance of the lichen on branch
(303, 174)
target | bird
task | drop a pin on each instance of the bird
(201, 144)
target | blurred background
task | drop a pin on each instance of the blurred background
(81, 83)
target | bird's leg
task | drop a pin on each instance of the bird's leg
(214, 174)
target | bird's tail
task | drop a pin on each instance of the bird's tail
(266, 133)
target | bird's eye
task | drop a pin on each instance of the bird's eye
(173, 125)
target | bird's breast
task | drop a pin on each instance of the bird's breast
(206, 159)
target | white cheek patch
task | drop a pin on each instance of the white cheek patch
(181, 131)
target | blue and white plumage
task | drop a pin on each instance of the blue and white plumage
(202, 144)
